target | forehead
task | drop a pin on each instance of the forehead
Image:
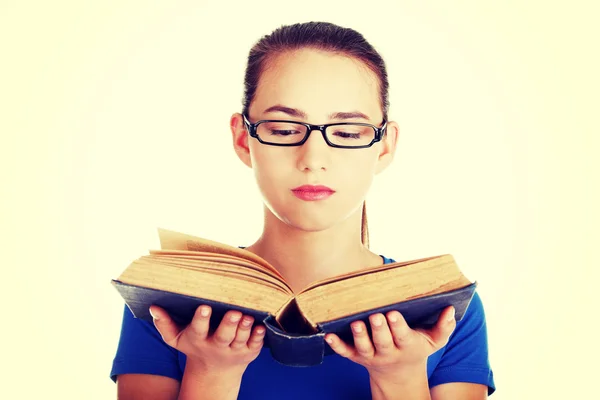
(318, 83)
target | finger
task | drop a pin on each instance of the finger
(382, 337)
(257, 338)
(362, 341)
(243, 332)
(227, 328)
(339, 346)
(401, 332)
(201, 322)
(444, 327)
(169, 331)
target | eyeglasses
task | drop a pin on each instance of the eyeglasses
(347, 135)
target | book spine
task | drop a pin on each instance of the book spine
(295, 350)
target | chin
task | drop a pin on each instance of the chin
(311, 221)
(308, 226)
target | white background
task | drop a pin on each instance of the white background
(114, 121)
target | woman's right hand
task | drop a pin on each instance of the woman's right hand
(231, 347)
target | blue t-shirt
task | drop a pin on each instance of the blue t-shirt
(141, 350)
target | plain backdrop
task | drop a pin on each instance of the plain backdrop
(114, 120)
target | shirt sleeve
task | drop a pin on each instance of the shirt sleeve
(465, 357)
(141, 350)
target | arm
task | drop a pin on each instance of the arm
(396, 357)
(201, 383)
(414, 385)
(146, 366)
(215, 363)
(459, 390)
(407, 385)
(144, 386)
(197, 384)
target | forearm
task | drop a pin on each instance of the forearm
(410, 384)
(200, 383)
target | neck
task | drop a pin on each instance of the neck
(303, 257)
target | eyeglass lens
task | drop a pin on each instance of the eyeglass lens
(290, 133)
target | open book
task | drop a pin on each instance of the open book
(189, 271)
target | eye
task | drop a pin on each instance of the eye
(283, 132)
(281, 129)
(347, 135)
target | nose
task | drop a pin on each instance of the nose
(314, 153)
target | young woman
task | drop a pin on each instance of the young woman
(314, 129)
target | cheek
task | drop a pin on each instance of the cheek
(357, 173)
(270, 171)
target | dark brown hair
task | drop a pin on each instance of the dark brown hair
(322, 36)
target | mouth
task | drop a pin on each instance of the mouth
(312, 192)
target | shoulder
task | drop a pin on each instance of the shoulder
(472, 328)
(465, 358)
(141, 350)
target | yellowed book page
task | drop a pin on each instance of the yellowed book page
(205, 285)
(207, 265)
(220, 258)
(171, 240)
(204, 254)
(239, 277)
(351, 296)
(369, 270)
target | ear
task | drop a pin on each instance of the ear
(240, 138)
(388, 147)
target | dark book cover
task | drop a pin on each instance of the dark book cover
(293, 342)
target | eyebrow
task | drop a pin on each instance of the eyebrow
(294, 112)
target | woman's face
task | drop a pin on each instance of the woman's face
(312, 85)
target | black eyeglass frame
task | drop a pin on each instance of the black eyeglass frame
(379, 132)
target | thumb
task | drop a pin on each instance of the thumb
(169, 331)
(444, 327)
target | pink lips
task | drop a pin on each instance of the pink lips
(312, 192)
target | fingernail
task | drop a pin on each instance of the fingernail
(357, 328)
(246, 322)
(329, 340)
(451, 316)
(393, 317)
(377, 321)
(235, 317)
(153, 315)
(204, 311)
(260, 331)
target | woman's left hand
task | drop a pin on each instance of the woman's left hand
(395, 346)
